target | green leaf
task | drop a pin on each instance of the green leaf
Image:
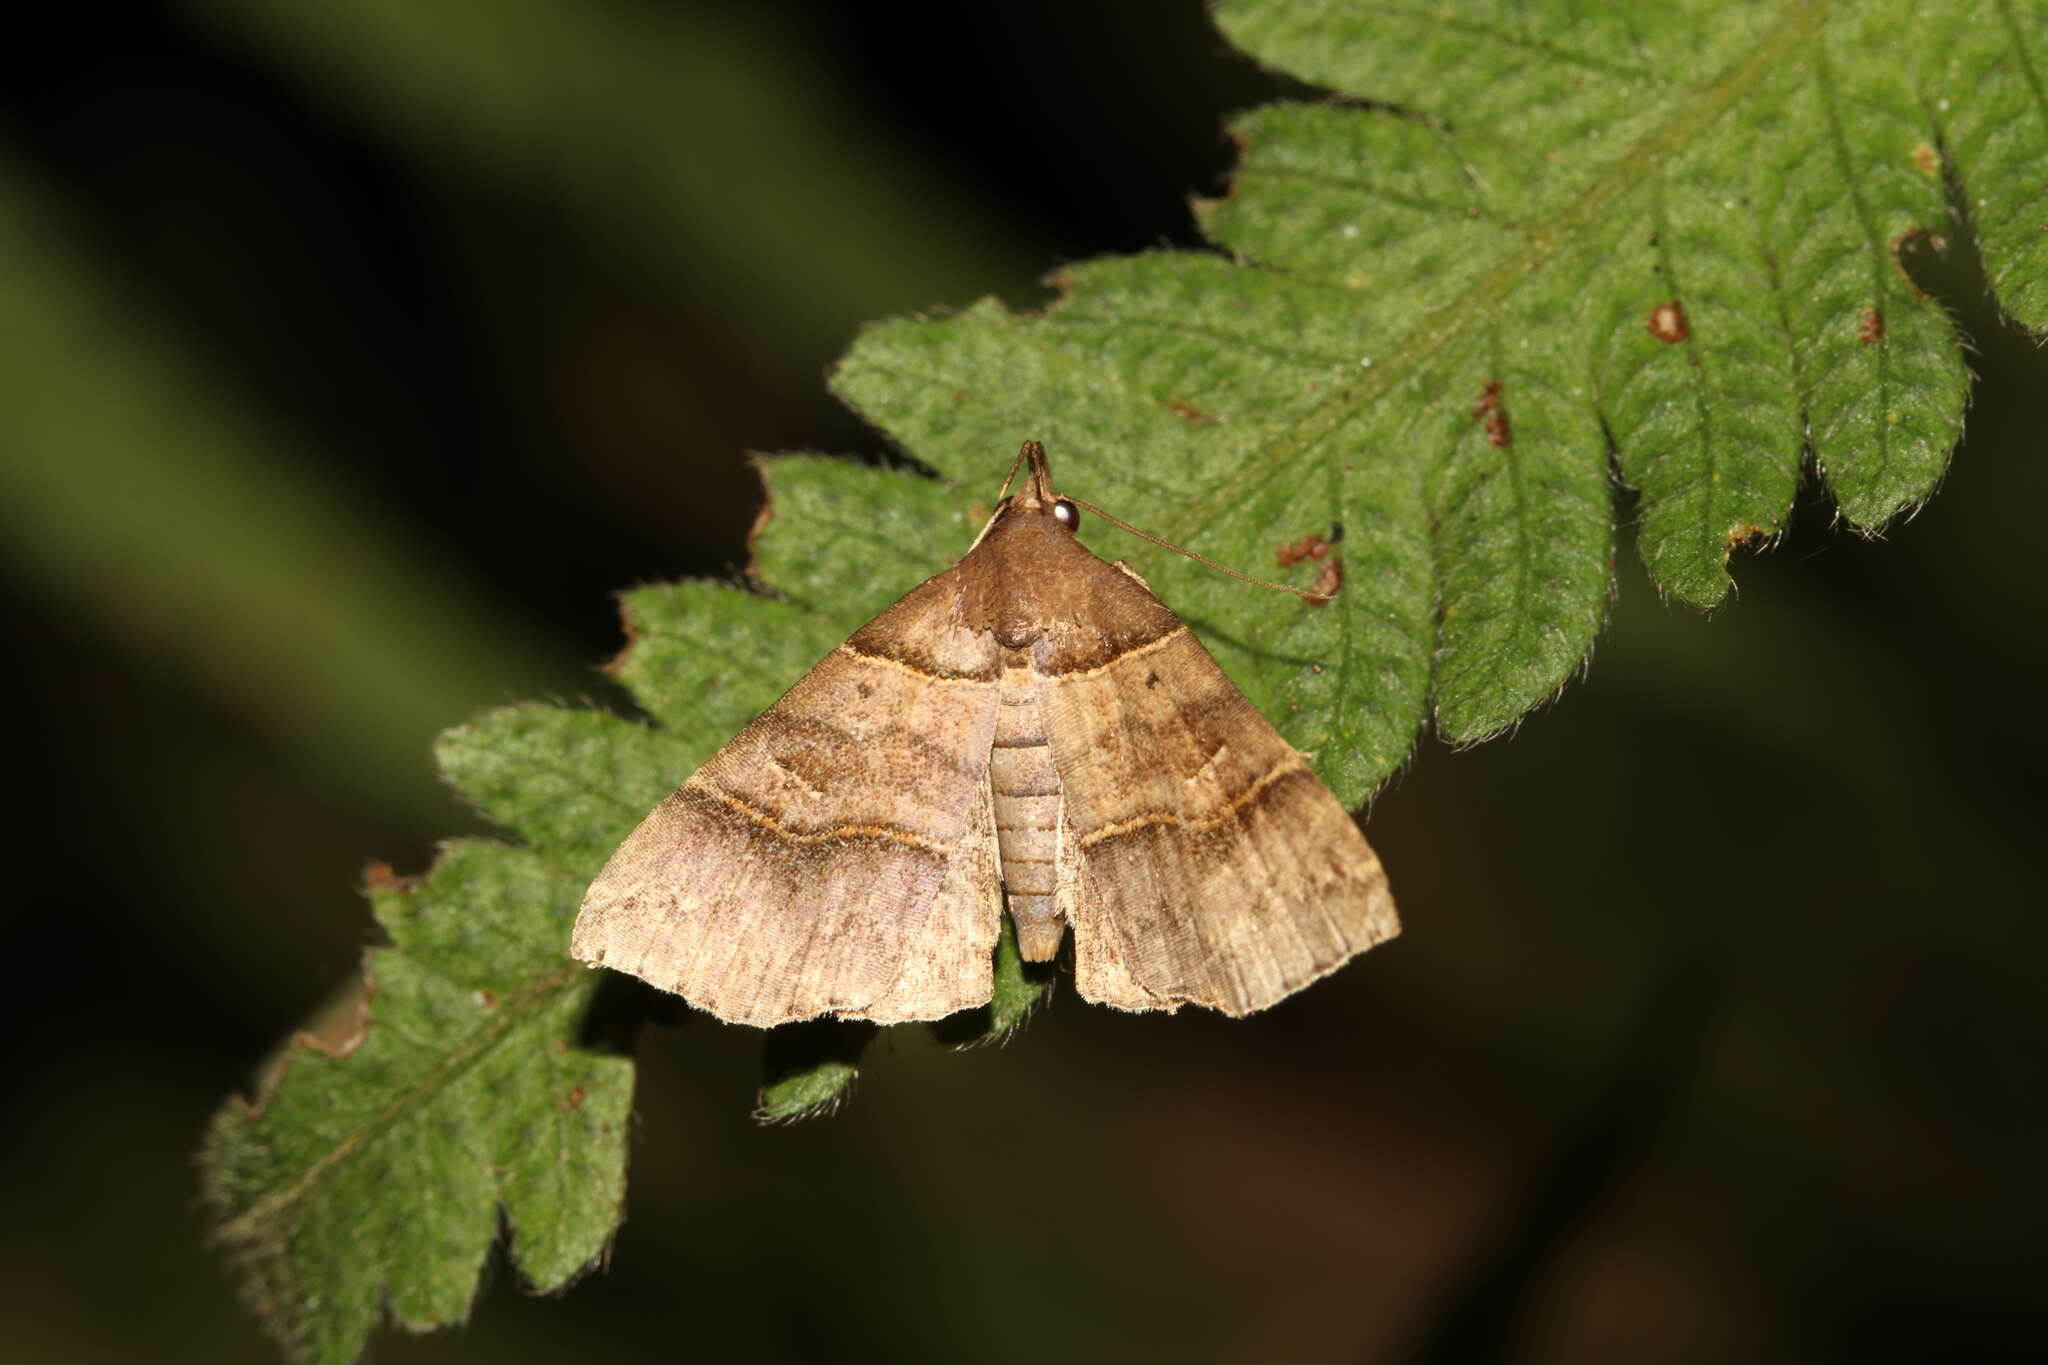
(808, 1069)
(1020, 988)
(572, 783)
(1535, 184)
(372, 1175)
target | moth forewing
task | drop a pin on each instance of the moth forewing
(808, 867)
(947, 966)
(1227, 872)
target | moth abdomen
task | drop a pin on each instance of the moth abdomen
(1024, 790)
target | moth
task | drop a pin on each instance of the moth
(1033, 730)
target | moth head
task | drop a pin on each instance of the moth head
(1031, 496)
(1036, 493)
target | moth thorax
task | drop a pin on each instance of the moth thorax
(1017, 632)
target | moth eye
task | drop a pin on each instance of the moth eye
(1067, 514)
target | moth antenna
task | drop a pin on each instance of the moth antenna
(1015, 465)
(1199, 559)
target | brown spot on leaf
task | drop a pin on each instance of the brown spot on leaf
(630, 628)
(1927, 159)
(761, 520)
(1186, 410)
(1742, 533)
(381, 879)
(1870, 331)
(574, 1101)
(487, 998)
(338, 1029)
(1327, 584)
(1667, 322)
(1490, 410)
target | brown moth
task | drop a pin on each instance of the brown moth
(1031, 727)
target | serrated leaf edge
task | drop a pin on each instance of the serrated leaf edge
(1546, 239)
(252, 1226)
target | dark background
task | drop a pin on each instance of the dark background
(337, 411)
